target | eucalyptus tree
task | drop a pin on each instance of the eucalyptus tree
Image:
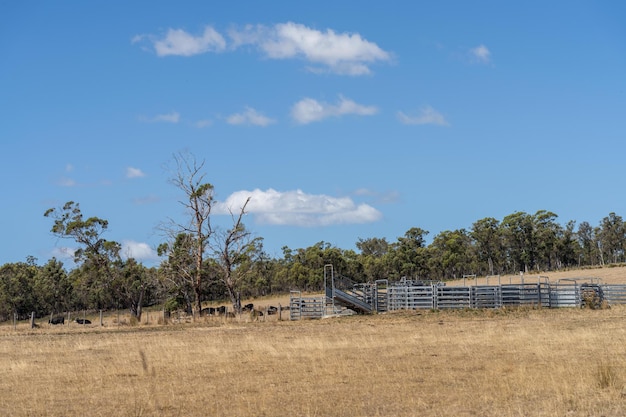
(612, 237)
(260, 281)
(376, 247)
(53, 287)
(547, 233)
(177, 273)
(282, 277)
(487, 237)
(102, 279)
(451, 255)
(16, 290)
(135, 285)
(586, 237)
(95, 255)
(521, 247)
(569, 250)
(371, 257)
(408, 256)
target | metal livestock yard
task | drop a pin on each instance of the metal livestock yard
(344, 296)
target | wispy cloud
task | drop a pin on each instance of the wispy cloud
(150, 199)
(309, 110)
(173, 117)
(249, 117)
(179, 42)
(64, 253)
(381, 198)
(425, 116)
(134, 173)
(328, 51)
(66, 182)
(297, 208)
(203, 123)
(480, 54)
(138, 250)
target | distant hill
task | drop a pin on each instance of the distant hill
(610, 274)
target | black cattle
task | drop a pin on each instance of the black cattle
(57, 320)
(248, 307)
(221, 310)
(83, 321)
(272, 310)
(208, 311)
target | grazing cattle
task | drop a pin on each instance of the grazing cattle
(209, 311)
(57, 320)
(83, 321)
(248, 307)
(272, 310)
(221, 310)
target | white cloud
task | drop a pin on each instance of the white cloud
(203, 123)
(249, 117)
(309, 110)
(179, 42)
(139, 251)
(480, 54)
(297, 208)
(341, 53)
(173, 117)
(134, 173)
(426, 116)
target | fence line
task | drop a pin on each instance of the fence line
(556, 295)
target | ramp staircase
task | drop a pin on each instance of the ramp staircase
(359, 297)
(352, 301)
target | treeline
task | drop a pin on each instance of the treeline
(102, 280)
(201, 263)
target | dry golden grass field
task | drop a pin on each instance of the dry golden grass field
(606, 275)
(508, 362)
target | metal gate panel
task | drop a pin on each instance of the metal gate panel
(614, 294)
(486, 296)
(453, 297)
(420, 297)
(564, 295)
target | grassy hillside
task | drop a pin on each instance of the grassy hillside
(607, 275)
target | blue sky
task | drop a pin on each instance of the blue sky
(342, 120)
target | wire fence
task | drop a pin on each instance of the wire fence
(149, 317)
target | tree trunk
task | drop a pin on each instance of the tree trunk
(196, 290)
(235, 298)
(136, 306)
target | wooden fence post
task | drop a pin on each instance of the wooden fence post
(32, 320)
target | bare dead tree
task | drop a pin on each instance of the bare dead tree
(188, 177)
(234, 249)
